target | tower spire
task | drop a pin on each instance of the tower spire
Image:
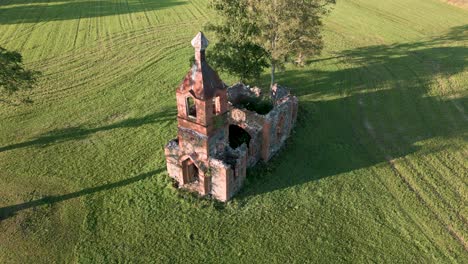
(200, 43)
(202, 80)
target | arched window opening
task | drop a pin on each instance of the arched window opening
(191, 107)
(238, 136)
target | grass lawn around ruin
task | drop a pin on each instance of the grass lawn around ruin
(375, 171)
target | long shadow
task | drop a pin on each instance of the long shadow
(9, 211)
(374, 106)
(76, 133)
(33, 11)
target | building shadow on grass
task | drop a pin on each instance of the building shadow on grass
(9, 211)
(77, 133)
(375, 106)
(34, 11)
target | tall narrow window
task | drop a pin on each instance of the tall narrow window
(191, 107)
(216, 106)
(279, 129)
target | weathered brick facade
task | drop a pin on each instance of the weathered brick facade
(207, 157)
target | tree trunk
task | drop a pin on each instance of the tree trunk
(300, 59)
(273, 69)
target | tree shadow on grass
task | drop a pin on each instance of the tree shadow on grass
(9, 211)
(33, 11)
(77, 133)
(375, 106)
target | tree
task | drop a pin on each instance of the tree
(277, 30)
(289, 28)
(13, 77)
(245, 60)
(236, 52)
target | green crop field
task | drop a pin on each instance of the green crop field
(376, 170)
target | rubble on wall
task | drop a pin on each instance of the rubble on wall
(279, 93)
(268, 131)
(239, 92)
(242, 96)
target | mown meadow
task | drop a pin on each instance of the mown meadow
(376, 170)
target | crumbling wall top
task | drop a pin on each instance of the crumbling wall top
(240, 92)
(279, 93)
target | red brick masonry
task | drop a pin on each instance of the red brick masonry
(201, 158)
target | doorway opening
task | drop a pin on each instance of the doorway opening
(190, 171)
(238, 136)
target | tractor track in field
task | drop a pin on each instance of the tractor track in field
(417, 172)
(436, 69)
(370, 130)
(78, 63)
(145, 11)
(109, 43)
(77, 30)
(448, 227)
(431, 188)
(388, 140)
(81, 68)
(452, 187)
(406, 214)
(459, 177)
(404, 211)
(391, 162)
(30, 29)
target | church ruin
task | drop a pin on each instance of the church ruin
(224, 130)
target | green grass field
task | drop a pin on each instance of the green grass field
(376, 171)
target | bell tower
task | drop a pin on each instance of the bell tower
(202, 108)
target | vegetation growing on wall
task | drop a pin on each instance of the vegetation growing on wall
(259, 105)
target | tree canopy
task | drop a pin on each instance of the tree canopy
(280, 29)
(236, 52)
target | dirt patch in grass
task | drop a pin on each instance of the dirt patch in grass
(459, 3)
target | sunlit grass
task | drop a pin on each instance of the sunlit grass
(375, 170)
